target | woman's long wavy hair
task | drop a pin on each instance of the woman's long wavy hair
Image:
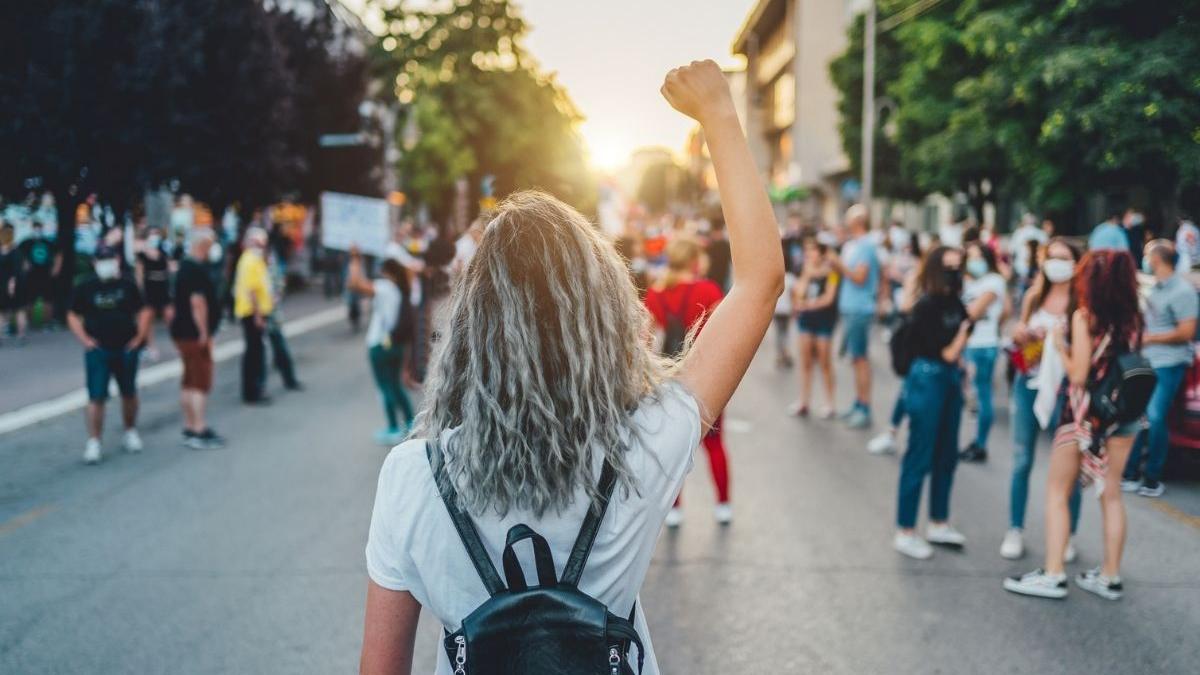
(1106, 286)
(546, 355)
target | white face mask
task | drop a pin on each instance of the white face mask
(1058, 271)
(214, 253)
(108, 269)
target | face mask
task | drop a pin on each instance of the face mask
(1058, 271)
(153, 241)
(977, 267)
(214, 253)
(1146, 265)
(954, 279)
(108, 269)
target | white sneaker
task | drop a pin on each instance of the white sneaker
(1013, 546)
(827, 413)
(912, 546)
(723, 513)
(883, 444)
(1038, 584)
(91, 451)
(674, 518)
(1130, 485)
(133, 441)
(1109, 588)
(945, 535)
(1070, 554)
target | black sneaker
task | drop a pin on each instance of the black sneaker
(211, 440)
(1109, 588)
(193, 440)
(1151, 488)
(973, 453)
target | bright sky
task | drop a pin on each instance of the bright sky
(612, 55)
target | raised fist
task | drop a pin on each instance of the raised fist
(699, 90)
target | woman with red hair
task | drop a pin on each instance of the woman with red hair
(1106, 324)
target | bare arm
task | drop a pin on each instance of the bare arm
(145, 319)
(1079, 359)
(952, 351)
(1183, 333)
(200, 315)
(389, 632)
(718, 359)
(828, 297)
(75, 323)
(980, 306)
(358, 281)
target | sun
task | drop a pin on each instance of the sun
(607, 151)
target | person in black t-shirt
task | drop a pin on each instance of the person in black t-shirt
(933, 398)
(195, 320)
(153, 273)
(12, 285)
(720, 259)
(43, 262)
(110, 320)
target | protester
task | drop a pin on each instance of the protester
(1170, 318)
(110, 319)
(904, 298)
(933, 399)
(252, 304)
(1187, 245)
(1109, 235)
(1023, 255)
(391, 299)
(680, 305)
(1046, 307)
(1134, 222)
(281, 353)
(1105, 325)
(858, 269)
(547, 379)
(717, 253)
(43, 262)
(154, 279)
(193, 325)
(814, 298)
(984, 294)
(783, 320)
(12, 285)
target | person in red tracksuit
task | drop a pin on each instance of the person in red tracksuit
(680, 304)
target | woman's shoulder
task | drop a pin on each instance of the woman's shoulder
(405, 468)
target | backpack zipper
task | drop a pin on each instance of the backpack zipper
(614, 661)
(460, 659)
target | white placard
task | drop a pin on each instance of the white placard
(352, 220)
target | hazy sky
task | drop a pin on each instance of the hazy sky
(611, 56)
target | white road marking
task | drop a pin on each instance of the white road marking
(736, 426)
(59, 405)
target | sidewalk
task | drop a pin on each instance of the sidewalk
(51, 364)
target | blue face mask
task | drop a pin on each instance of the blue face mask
(977, 267)
(1146, 265)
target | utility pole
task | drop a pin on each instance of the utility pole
(868, 109)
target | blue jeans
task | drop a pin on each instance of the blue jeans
(933, 399)
(1154, 441)
(898, 411)
(387, 363)
(984, 361)
(856, 334)
(1025, 437)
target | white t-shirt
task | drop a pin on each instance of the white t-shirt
(987, 328)
(385, 310)
(951, 234)
(414, 547)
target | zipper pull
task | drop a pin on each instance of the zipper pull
(460, 659)
(614, 661)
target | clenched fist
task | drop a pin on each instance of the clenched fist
(699, 90)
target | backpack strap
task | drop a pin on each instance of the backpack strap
(591, 526)
(462, 522)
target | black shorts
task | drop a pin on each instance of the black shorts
(37, 288)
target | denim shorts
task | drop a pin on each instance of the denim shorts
(823, 332)
(102, 365)
(856, 332)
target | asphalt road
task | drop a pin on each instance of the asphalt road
(249, 559)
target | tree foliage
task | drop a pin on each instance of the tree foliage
(1051, 102)
(482, 104)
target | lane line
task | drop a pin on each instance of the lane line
(1176, 513)
(24, 519)
(161, 372)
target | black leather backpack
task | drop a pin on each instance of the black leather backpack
(550, 628)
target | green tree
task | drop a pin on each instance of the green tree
(483, 105)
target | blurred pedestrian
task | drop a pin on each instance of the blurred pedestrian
(153, 274)
(859, 273)
(546, 405)
(717, 253)
(933, 400)
(389, 332)
(680, 304)
(1047, 306)
(252, 304)
(110, 319)
(814, 298)
(43, 263)
(1105, 325)
(12, 285)
(985, 294)
(194, 323)
(1170, 318)
(783, 320)
(1109, 235)
(1023, 256)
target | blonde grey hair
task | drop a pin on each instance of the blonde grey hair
(545, 358)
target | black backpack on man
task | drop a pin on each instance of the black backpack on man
(552, 628)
